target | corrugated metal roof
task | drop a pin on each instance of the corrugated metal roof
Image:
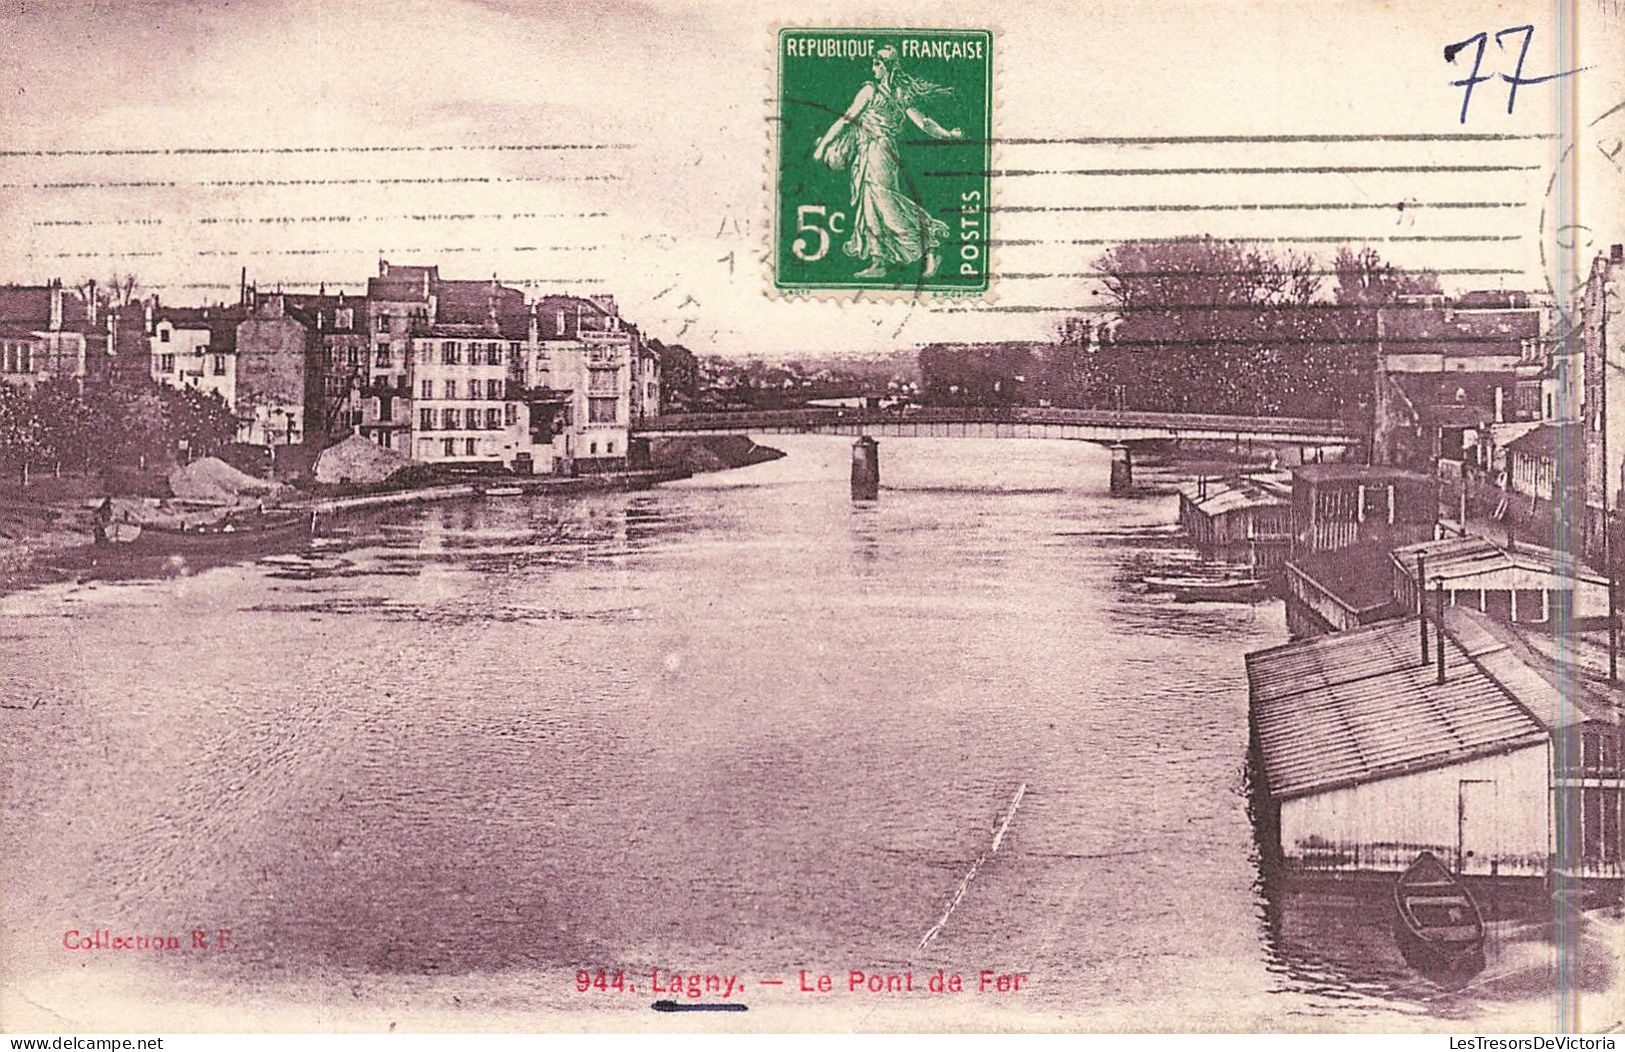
(1456, 557)
(1358, 706)
(1223, 496)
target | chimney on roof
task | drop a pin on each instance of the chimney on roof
(56, 305)
(1438, 591)
(383, 267)
(91, 305)
(242, 288)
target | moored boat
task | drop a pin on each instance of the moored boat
(1209, 589)
(504, 491)
(1437, 923)
(226, 536)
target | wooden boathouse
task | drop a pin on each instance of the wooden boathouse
(1499, 759)
(1239, 520)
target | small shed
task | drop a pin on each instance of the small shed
(1336, 505)
(1528, 586)
(1546, 460)
(1245, 519)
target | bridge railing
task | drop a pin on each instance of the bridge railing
(820, 417)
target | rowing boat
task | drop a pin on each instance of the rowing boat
(1438, 925)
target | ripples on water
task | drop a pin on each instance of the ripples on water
(736, 723)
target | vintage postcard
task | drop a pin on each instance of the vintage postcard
(681, 518)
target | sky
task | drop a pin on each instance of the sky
(624, 148)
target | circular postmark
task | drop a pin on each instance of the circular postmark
(1580, 214)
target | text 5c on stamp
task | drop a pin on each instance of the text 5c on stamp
(883, 160)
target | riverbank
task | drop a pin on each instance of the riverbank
(50, 536)
(702, 453)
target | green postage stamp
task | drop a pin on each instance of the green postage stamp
(884, 158)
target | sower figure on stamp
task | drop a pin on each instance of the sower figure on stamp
(890, 226)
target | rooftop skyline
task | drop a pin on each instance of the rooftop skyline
(543, 144)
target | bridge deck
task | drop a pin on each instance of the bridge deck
(1093, 425)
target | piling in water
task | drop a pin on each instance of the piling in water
(1122, 470)
(865, 469)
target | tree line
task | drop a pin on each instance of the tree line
(63, 425)
(1199, 325)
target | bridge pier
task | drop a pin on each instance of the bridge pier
(865, 469)
(1122, 470)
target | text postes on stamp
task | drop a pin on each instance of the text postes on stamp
(883, 160)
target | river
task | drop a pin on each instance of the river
(735, 725)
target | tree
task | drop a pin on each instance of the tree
(67, 429)
(1218, 325)
(22, 438)
(1363, 279)
(120, 290)
(201, 420)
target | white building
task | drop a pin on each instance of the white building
(467, 412)
(191, 349)
(584, 349)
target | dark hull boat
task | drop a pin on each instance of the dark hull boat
(1195, 589)
(230, 537)
(1437, 923)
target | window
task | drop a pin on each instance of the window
(601, 381)
(510, 414)
(609, 447)
(592, 448)
(493, 419)
(603, 410)
(450, 419)
(426, 420)
(344, 318)
(425, 353)
(402, 384)
(163, 335)
(451, 388)
(354, 356)
(468, 446)
(513, 352)
(166, 363)
(426, 389)
(450, 447)
(383, 356)
(382, 323)
(493, 390)
(425, 448)
(451, 353)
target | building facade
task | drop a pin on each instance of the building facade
(44, 333)
(1602, 345)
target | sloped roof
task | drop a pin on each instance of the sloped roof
(1222, 496)
(221, 322)
(1372, 473)
(1358, 706)
(1548, 440)
(1471, 556)
(1359, 576)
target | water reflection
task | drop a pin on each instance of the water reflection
(736, 723)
